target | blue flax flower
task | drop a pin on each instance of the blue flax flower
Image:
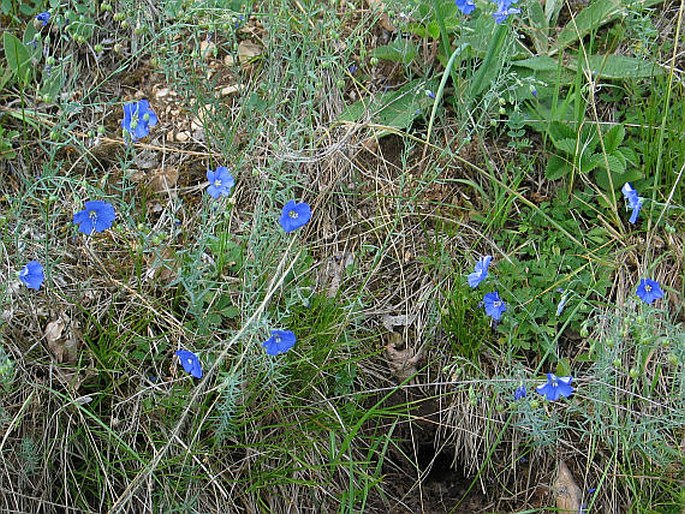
(96, 217)
(520, 392)
(504, 9)
(43, 18)
(138, 118)
(494, 306)
(220, 182)
(556, 387)
(280, 342)
(32, 275)
(649, 290)
(190, 362)
(481, 272)
(295, 215)
(465, 6)
(634, 201)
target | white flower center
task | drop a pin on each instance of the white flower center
(293, 214)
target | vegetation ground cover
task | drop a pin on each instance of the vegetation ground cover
(412, 256)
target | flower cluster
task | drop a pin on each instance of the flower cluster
(493, 304)
(503, 9)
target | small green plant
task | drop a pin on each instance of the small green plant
(592, 150)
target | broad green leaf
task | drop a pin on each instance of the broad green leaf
(628, 155)
(492, 63)
(402, 51)
(595, 15)
(619, 67)
(592, 17)
(539, 27)
(566, 145)
(394, 109)
(552, 8)
(539, 63)
(617, 180)
(557, 168)
(18, 57)
(589, 161)
(615, 161)
(614, 137)
(558, 131)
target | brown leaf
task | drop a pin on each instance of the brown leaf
(384, 19)
(248, 50)
(402, 359)
(568, 495)
(64, 346)
(161, 180)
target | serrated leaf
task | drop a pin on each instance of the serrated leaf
(615, 161)
(589, 161)
(18, 57)
(629, 155)
(614, 137)
(557, 168)
(558, 130)
(566, 145)
(602, 178)
(402, 51)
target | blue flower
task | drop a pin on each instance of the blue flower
(96, 217)
(190, 362)
(556, 387)
(649, 290)
(280, 342)
(520, 392)
(634, 201)
(220, 182)
(32, 275)
(504, 9)
(494, 306)
(481, 272)
(138, 118)
(43, 18)
(295, 215)
(465, 6)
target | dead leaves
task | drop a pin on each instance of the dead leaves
(403, 359)
(63, 345)
(569, 497)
